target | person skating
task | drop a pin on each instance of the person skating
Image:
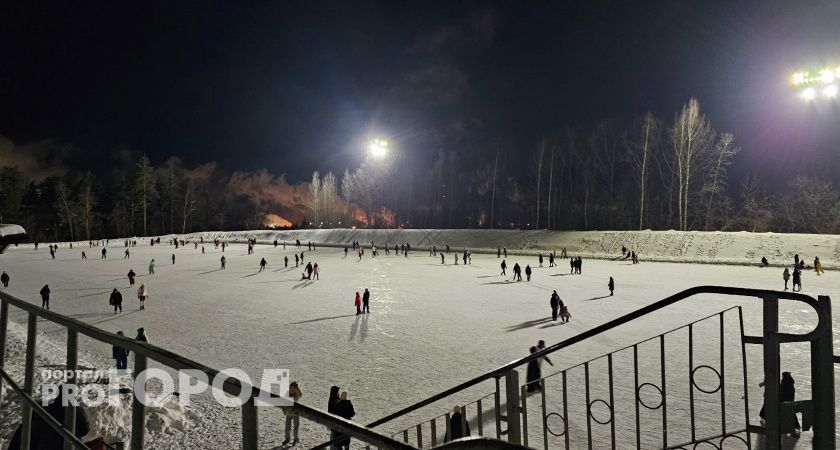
(465, 257)
(263, 263)
(555, 303)
(142, 295)
(131, 276)
(344, 408)
(127, 254)
(787, 393)
(115, 300)
(498, 252)
(366, 302)
(358, 303)
(786, 277)
(504, 268)
(104, 254)
(551, 259)
(152, 267)
(540, 259)
(517, 272)
(528, 272)
(533, 373)
(797, 280)
(223, 260)
(141, 335)
(316, 271)
(611, 286)
(818, 266)
(504, 252)
(297, 260)
(4, 278)
(458, 426)
(308, 270)
(796, 260)
(572, 265)
(173, 258)
(764, 262)
(202, 249)
(292, 419)
(541, 347)
(441, 258)
(120, 354)
(83, 255)
(45, 297)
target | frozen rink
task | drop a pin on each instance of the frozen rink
(431, 326)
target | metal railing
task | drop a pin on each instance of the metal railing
(822, 372)
(142, 353)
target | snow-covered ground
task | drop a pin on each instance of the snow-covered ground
(431, 326)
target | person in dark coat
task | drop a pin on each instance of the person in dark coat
(540, 259)
(331, 403)
(131, 276)
(344, 408)
(517, 272)
(555, 305)
(611, 286)
(263, 263)
(528, 272)
(4, 278)
(141, 335)
(42, 436)
(120, 355)
(504, 267)
(116, 300)
(787, 393)
(797, 279)
(458, 426)
(533, 373)
(45, 296)
(104, 254)
(366, 302)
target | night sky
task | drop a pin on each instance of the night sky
(297, 86)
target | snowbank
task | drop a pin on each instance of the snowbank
(743, 248)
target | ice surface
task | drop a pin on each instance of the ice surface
(431, 326)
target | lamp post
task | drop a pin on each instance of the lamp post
(377, 150)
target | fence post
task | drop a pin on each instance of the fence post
(250, 427)
(138, 409)
(772, 407)
(72, 365)
(28, 380)
(822, 382)
(512, 397)
(4, 321)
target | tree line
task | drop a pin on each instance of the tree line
(651, 173)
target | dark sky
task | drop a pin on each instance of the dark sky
(292, 86)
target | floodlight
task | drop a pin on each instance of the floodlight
(808, 93)
(830, 91)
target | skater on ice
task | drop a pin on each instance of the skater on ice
(4, 278)
(131, 276)
(292, 419)
(142, 295)
(152, 267)
(611, 286)
(263, 263)
(120, 354)
(45, 297)
(115, 300)
(786, 277)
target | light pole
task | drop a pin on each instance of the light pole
(377, 150)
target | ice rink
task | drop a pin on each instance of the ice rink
(431, 326)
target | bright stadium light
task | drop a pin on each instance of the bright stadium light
(830, 91)
(826, 75)
(800, 78)
(378, 148)
(808, 93)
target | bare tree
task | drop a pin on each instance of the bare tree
(66, 207)
(538, 163)
(644, 143)
(314, 191)
(190, 204)
(724, 151)
(144, 187)
(87, 202)
(693, 139)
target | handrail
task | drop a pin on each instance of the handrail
(744, 292)
(50, 420)
(231, 386)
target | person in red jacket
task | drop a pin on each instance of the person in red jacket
(358, 303)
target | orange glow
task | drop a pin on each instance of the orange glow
(275, 221)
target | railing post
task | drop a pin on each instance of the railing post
(512, 396)
(72, 365)
(772, 407)
(250, 427)
(4, 322)
(28, 380)
(138, 409)
(822, 383)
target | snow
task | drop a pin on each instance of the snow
(11, 230)
(431, 326)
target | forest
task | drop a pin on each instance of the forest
(649, 173)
